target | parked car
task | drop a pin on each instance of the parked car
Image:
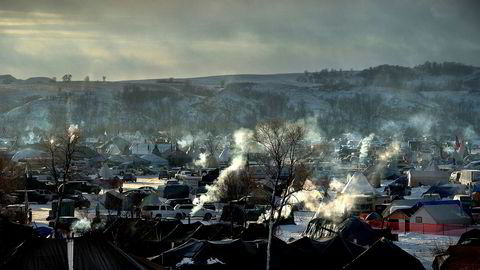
(147, 189)
(172, 182)
(32, 196)
(128, 177)
(47, 193)
(160, 211)
(79, 199)
(163, 174)
(82, 186)
(176, 191)
(186, 210)
(174, 202)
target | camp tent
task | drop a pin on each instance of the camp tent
(29, 154)
(384, 254)
(351, 229)
(88, 253)
(440, 214)
(358, 184)
(464, 255)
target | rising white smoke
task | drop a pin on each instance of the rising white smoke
(186, 141)
(202, 160)
(82, 226)
(242, 137)
(365, 146)
(72, 132)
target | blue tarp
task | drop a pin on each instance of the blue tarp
(43, 231)
(438, 202)
(446, 190)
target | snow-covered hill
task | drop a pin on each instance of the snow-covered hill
(429, 98)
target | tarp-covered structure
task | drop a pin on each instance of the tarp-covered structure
(446, 190)
(351, 229)
(333, 253)
(148, 238)
(11, 236)
(464, 255)
(88, 253)
(384, 254)
(29, 154)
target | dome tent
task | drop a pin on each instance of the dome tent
(29, 153)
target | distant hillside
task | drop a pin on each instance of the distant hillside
(431, 98)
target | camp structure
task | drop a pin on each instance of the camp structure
(384, 254)
(427, 178)
(464, 255)
(80, 253)
(358, 184)
(351, 229)
(440, 213)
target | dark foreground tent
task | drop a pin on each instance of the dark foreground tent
(230, 254)
(88, 253)
(140, 237)
(236, 254)
(384, 254)
(333, 253)
(464, 255)
(351, 229)
(11, 236)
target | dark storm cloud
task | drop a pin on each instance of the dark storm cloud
(139, 39)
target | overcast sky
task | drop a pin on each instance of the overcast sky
(133, 39)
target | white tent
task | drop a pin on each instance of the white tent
(105, 172)
(113, 149)
(358, 184)
(29, 154)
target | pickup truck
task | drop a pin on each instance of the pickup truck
(186, 210)
(189, 178)
(160, 211)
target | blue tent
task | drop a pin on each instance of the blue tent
(446, 190)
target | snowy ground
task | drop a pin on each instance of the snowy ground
(423, 246)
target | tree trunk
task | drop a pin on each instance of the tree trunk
(271, 221)
(269, 245)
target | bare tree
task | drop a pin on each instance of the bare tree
(212, 146)
(236, 185)
(281, 143)
(62, 150)
(67, 77)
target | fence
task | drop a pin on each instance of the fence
(423, 228)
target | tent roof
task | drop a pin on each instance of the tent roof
(447, 213)
(358, 184)
(29, 153)
(89, 253)
(385, 254)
